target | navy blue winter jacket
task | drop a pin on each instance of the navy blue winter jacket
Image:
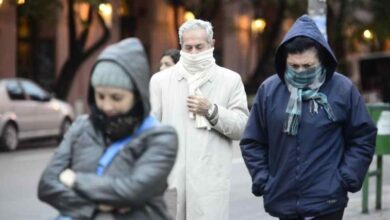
(308, 174)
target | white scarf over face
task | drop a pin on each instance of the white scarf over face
(197, 70)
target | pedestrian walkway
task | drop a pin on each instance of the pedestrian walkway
(354, 209)
(245, 206)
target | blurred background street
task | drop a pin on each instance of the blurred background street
(20, 171)
(51, 46)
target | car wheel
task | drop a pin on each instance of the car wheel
(65, 125)
(9, 137)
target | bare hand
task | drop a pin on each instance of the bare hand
(108, 208)
(105, 208)
(198, 104)
(68, 177)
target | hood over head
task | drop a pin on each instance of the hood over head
(306, 27)
(130, 56)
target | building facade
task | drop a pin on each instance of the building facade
(38, 50)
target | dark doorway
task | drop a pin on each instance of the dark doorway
(35, 48)
(375, 75)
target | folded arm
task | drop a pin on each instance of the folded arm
(55, 193)
(147, 179)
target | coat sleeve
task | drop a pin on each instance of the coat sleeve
(147, 179)
(232, 118)
(155, 97)
(254, 146)
(56, 194)
(360, 136)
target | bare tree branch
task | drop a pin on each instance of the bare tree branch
(77, 52)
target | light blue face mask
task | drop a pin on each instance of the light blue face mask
(304, 85)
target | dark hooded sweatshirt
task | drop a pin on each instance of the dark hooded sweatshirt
(308, 174)
(136, 178)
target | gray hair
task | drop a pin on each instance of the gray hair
(196, 24)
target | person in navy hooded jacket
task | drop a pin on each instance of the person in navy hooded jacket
(309, 139)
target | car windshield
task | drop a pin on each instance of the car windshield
(34, 91)
(14, 90)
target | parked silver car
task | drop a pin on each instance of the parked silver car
(27, 111)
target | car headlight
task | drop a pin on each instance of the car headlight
(56, 106)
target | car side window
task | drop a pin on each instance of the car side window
(34, 91)
(14, 90)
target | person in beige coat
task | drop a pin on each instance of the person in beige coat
(207, 105)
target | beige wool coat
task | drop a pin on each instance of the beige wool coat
(202, 171)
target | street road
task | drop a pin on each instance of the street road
(19, 175)
(20, 172)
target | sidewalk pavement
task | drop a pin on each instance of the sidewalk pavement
(354, 209)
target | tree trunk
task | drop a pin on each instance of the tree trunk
(264, 62)
(339, 39)
(78, 54)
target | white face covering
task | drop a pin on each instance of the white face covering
(197, 70)
(197, 63)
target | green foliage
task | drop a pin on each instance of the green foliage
(39, 9)
(296, 8)
(92, 2)
(46, 9)
(360, 15)
(381, 21)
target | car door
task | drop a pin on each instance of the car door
(19, 105)
(47, 115)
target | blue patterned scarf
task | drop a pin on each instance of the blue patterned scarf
(304, 86)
